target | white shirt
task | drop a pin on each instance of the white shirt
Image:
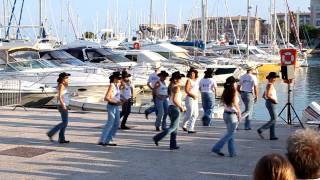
(247, 82)
(126, 92)
(232, 108)
(163, 89)
(153, 78)
(194, 86)
(207, 85)
(65, 96)
(116, 95)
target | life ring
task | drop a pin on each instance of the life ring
(136, 45)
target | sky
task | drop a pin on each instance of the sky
(120, 15)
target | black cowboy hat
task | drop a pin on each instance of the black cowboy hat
(176, 75)
(272, 75)
(209, 71)
(125, 74)
(116, 74)
(230, 80)
(163, 73)
(63, 75)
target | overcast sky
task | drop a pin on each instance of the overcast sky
(94, 15)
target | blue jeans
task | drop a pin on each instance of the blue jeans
(174, 114)
(112, 124)
(61, 126)
(248, 101)
(273, 118)
(231, 121)
(152, 108)
(125, 111)
(162, 108)
(207, 105)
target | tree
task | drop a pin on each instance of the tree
(89, 35)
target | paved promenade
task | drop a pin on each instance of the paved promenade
(26, 152)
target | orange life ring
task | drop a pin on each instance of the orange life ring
(136, 45)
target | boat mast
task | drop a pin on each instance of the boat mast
(165, 19)
(40, 17)
(248, 25)
(150, 15)
(274, 26)
(204, 23)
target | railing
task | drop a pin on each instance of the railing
(10, 92)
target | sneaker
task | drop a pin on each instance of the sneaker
(155, 142)
(184, 129)
(50, 138)
(125, 128)
(64, 142)
(248, 129)
(157, 128)
(102, 144)
(274, 138)
(192, 132)
(111, 144)
(146, 114)
(218, 153)
(260, 133)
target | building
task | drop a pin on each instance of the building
(304, 18)
(158, 30)
(222, 27)
(315, 12)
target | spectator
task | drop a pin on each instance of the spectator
(304, 153)
(273, 167)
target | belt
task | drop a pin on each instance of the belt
(228, 112)
(113, 104)
(246, 91)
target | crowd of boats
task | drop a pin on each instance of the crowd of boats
(90, 64)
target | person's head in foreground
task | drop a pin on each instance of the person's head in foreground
(304, 153)
(273, 167)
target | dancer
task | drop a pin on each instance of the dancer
(160, 92)
(175, 110)
(249, 90)
(153, 78)
(192, 91)
(208, 88)
(114, 101)
(231, 116)
(63, 100)
(127, 99)
(270, 95)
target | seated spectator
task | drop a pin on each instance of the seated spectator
(274, 167)
(304, 153)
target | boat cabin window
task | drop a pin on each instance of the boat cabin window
(132, 57)
(164, 54)
(27, 65)
(221, 71)
(25, 55)
(6, 68)
(77, 53)
(181, 55)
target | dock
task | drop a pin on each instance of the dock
(26, 152)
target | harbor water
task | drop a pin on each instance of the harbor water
(305, 89)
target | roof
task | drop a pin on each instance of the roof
(163, 47)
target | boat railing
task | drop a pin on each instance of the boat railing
(10, 93)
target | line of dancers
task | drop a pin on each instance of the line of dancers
(167, 99)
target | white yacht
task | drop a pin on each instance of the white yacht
(23, 63)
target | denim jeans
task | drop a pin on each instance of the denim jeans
(191, 114)
(207, 105)
(273, 118)
(61, 126)
(125, 111)
(174, 114)
(248, 101)
(152, 108)
(162, 109)
(112, 124)
(231, 121)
